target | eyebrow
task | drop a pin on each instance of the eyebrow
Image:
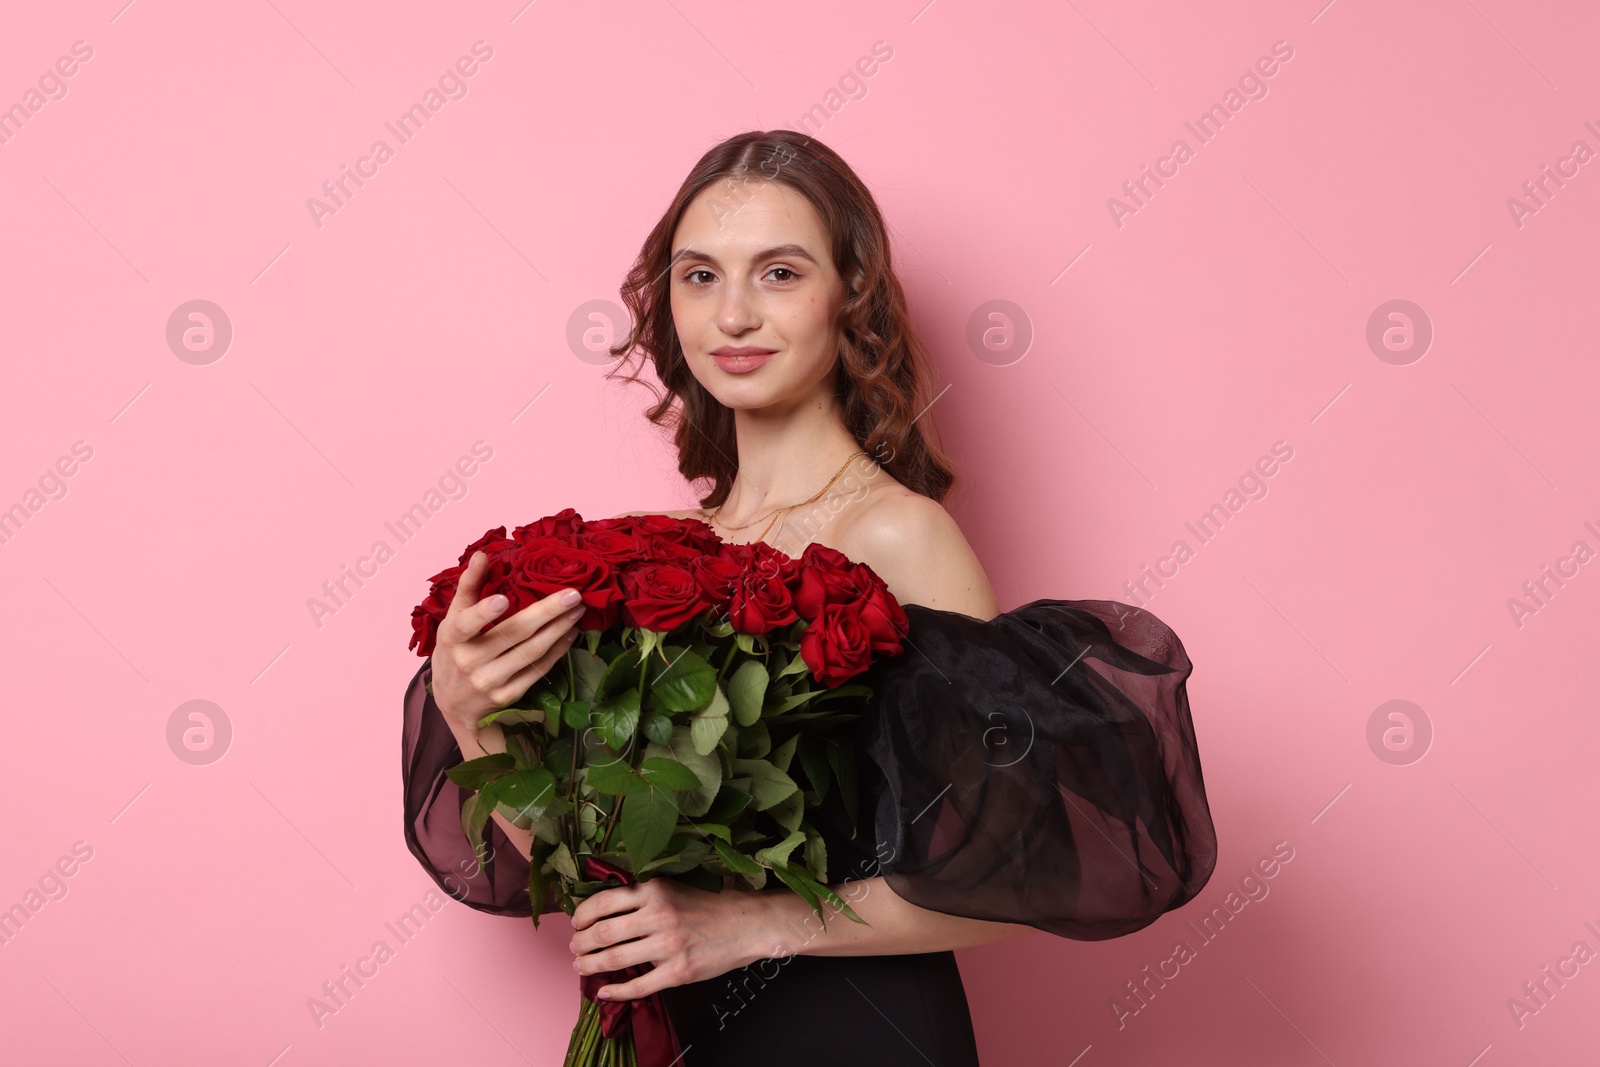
(771, 253)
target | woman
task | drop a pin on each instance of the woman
(1032, 769)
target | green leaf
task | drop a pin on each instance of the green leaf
(767, 783)
(816, 855)
(807, 894)
(802, 878)
(797, 665)
(528, 792)
(721, 629)
(621, 673)
(784, 753)
(510, 716)
(647, 822)
(616, 718)
(733, 859)
(588, 669)
(778, 855)
(562, 863)
(656, 727)
(707, 769)
(706, 727)
(814, 761)
(575, 713)
(729, 802)
(842, 757)
(475, 774)
(669, 774)
(539, 881)
(820, 694)
(753, 644)
(474, 814)
(746, 690)
(789, 811)
(714, 829)
(615, 777)
(686, 684)
(754, 741)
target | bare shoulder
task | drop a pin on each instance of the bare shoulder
(919, 551)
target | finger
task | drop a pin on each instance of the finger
(608, 933)
(653, 981)
(606, 902)
(616, 957)
(545, 611)
(519, 652)
(467, 616)
(519, 683)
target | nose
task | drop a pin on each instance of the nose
(736, 314)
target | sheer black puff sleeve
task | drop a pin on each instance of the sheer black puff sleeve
(433, 815)
(1040, 768)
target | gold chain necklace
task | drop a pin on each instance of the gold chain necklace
(783, 510)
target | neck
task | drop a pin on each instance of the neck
(787, 452)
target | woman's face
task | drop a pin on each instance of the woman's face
(752, 270)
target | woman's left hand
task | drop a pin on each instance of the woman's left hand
(689, 934)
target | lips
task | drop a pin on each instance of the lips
(741, 360)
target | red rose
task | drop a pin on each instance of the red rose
(491, 542)
(426, 616)
(837, 647)
(826, 577)
(691, 532)
(616, 547)
(660, 596)
(759, 604)
(881, 613)
(563, 523)
(717, 575)
(543, 566)
(673, 552)
(425, 620)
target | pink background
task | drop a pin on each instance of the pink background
(1228, 313)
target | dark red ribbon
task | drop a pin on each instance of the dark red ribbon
(654, 1039)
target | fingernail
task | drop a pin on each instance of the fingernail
(570, 596)
(575, 966)
(496, 603)
(574, 613)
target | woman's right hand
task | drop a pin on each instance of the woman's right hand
(476, 673)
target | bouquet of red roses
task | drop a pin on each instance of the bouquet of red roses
(668, 740)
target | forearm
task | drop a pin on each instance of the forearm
(486, 741)
(787, 925)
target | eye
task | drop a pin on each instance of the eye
(792, 275)
(689, 277)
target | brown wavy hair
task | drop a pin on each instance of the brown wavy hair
(884, 372)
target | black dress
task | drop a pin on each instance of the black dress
(1039, 768)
